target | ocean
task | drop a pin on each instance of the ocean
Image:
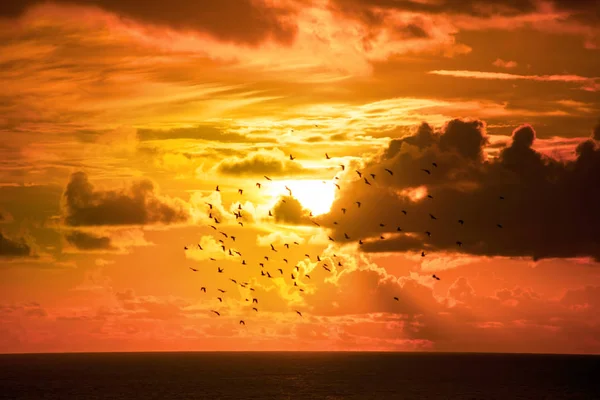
(327, 376)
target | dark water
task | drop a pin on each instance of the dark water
(240, 376)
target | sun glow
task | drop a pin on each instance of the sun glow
(315, 195)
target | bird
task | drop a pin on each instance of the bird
(432, 216)
(331, 239)
(285, 260)
(220, 270)
(343, 167)
(358, 203)
(280, 271)
(214, 227)
(372, 176)
(426, 170)
(307, 275)
(299, 313)
(315, 223)
(359, 173)
(499, 225)
(255, 301)
(203, 289)
(241, 224)
(289, 190)
(327, 156)
(273, 248)
(185, 247)
(459, 243)
(367, 182)
(292, 158)
(360, 241)
(501, 197)
(193, 269)
(216, 312)
(404, 212)
(422, 254)
(343, 210)
(210, 206)
(232, 238)
(337, 186)
(398, 229)
(434, 164)
(428, 233)
(217, 189)
(389, 171)
(326, 269)
(460, 221)
(397, 299)
(286, 245)
(221, 290)
(429, 196)
(346, 236)
(267, 178)
(242, 322)
(220, 299)
(255, 309)
(267, 258)
(233, 280)
(200, 247)
(241, 191)
(382, 224)
(435, 277)
(258, 185)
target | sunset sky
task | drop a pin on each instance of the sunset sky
(119, 118)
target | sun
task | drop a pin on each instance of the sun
(314, 195)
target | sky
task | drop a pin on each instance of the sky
(468, 131)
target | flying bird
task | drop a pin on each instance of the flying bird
(200, 247)
(216, 312)
(346, 236)
(358, 203)
(460, 221)
(422, 254)
(193, 269)
(432, 216)
(373, 176)
(367, 182)
(389, 171)
(398, 229)
(217, 189)
(428, 233)
(185, 247)
(242, 322)
(299, 313)
(258, 185)
(280, 271)
(344, 210)
(426, 170)
(292, 158)
(221, 290)
(459, 243)
(267, 178)
(435, 277)
(255, 301)
(343, 167)
(287, 246)
(429, 196)
(434, 164)
(327, 156)
(397, 299)
(273, 248)
(499, 225)
(404, 212)
(289, 190)
(241, 191)
(203, 289)
(220, 299)
(210, 206)
(220, 270)
(359, 173)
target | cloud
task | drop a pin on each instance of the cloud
(290, 211)
(549, 208)
(596, 132)
(138, 205)
(259, 163)
(200, 132)
(248, 22)
(504, 64)
(86, 241)
(588, 84)
(13, 248)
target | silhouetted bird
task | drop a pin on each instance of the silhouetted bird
(299, 313)
(217, 189)
(292, 158)
(460, 221)
(359, 173)
(426, 170)
(389, 171)
(358, 203)
(435, 277)
(220, 299)
(327, 156)
(432, 216)
(434, 164)
(258, 185)
(404, 212)
(203, 289)
(397, 299)
(193, 269)
(267, 178)
(367, 182)
(343, 167)
(220, 270)
(242, 322)
(459, 243)
(216, 312)
(422, 254)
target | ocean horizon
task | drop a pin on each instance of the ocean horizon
(297, 375)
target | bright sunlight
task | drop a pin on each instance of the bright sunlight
(315, 195)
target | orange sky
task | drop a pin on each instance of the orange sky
(118, 121)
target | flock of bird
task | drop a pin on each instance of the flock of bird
(295, 272)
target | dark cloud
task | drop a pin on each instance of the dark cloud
(242, 21)
(596, 132)
(86, 241)
(289, 210)
(140, 204)
(258, 164)
(550, 208)
(13, 248)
